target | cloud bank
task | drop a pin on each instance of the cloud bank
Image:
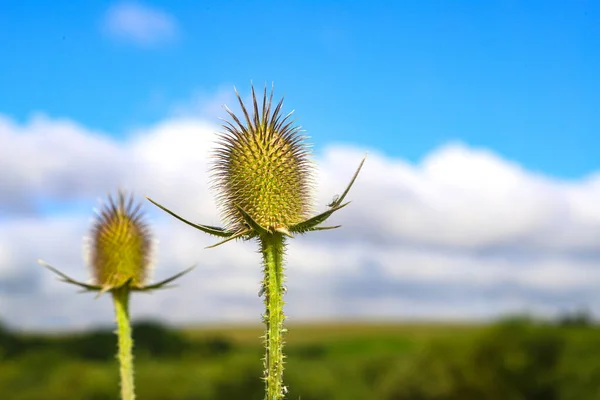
(462, 234)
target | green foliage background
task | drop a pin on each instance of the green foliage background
(513, 359)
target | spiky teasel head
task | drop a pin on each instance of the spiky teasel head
(263, 174)
(262, 167)
(119, 249)
(120, 245)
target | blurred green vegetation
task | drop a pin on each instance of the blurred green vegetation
(516, 358)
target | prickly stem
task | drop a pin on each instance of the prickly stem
(125, 357)
(272, 248)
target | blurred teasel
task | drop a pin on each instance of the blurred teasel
(120, 254)
(119, 249)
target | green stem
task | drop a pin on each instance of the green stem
(121, 301)
(272, 248)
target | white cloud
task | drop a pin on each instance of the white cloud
(464, 233)
(471, 199)
(140, 24)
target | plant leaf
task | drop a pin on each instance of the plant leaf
(163, 284)
(311, 223)
(339, 200)
(255, 226)
(236, 236)
(67, 279)
(324, 228)
(109, 288)
(211, 230)
(284, 231)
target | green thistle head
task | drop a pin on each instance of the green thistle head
(120, 250)
(262, 167)
(120, 246)
(263, 174)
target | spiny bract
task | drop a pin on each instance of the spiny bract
(120, 244)
(262, 167)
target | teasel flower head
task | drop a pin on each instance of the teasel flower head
(119, 249)
(121, 244)
(263, 174)
(262, 167)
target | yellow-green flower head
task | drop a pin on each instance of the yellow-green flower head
(120, 247)
(262, 167)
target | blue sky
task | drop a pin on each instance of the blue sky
(479, 196)
(518, 77)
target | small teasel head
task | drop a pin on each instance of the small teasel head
(262, 168)
(120, 244)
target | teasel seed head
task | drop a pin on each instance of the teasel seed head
(263, 168)
(119, 251)
(120, 244)
(263, 174)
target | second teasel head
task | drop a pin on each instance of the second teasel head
(120, 244)
(262, 167)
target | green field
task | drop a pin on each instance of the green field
(510, 360)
